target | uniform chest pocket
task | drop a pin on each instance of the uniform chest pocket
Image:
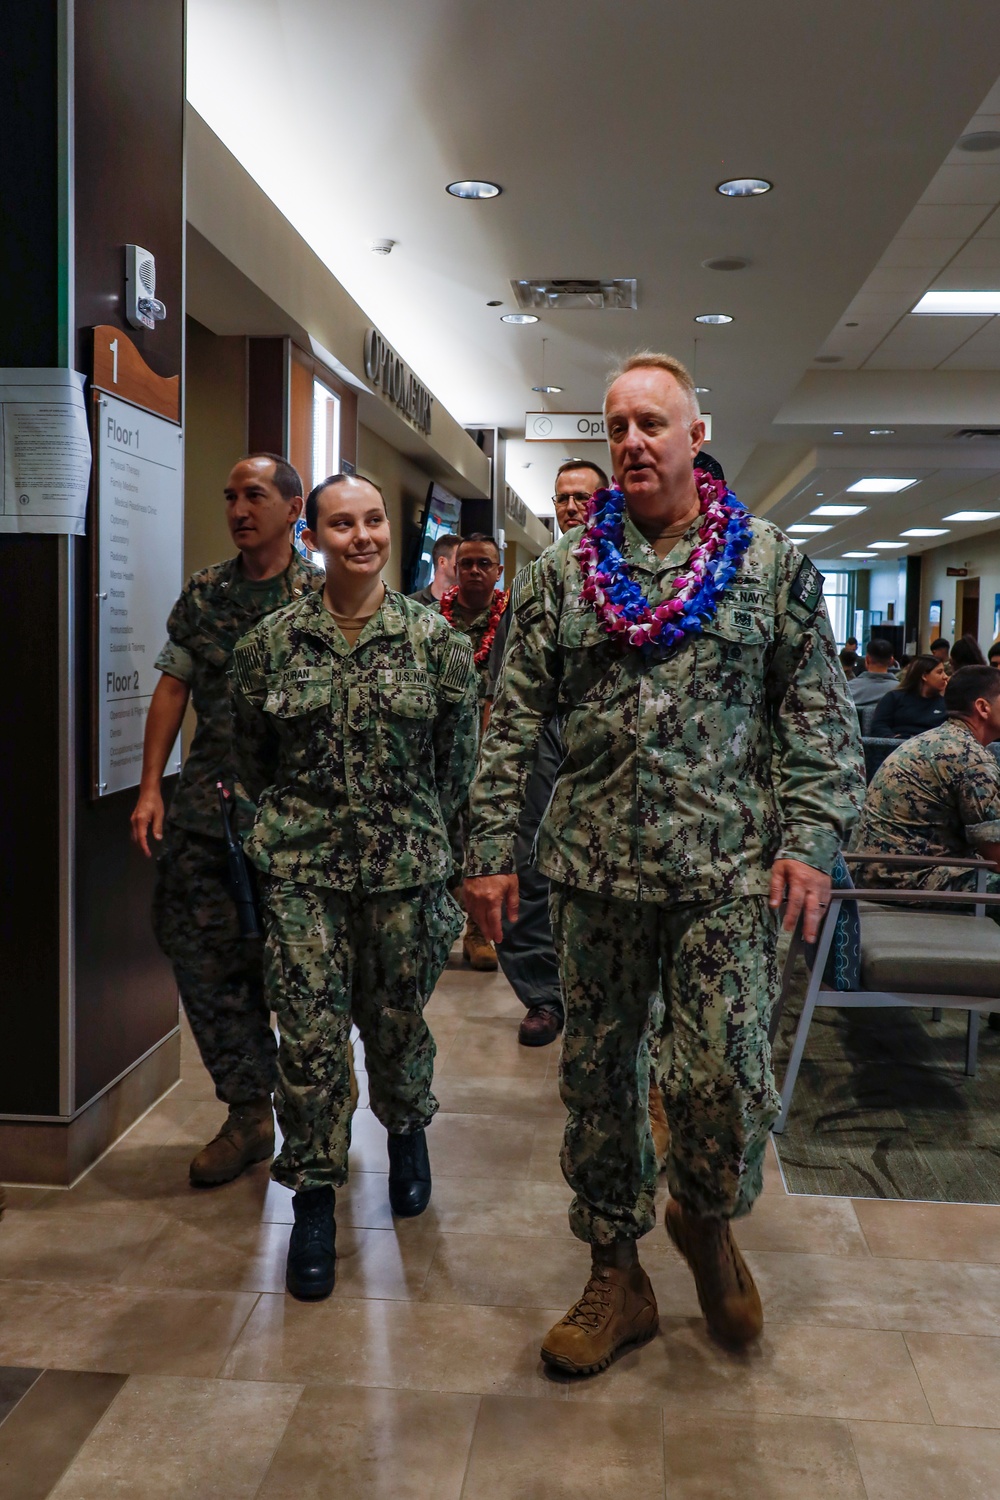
(291, 697)
(591, 662)
(407, 701)
(729, 664)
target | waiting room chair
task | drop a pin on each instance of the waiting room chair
(942, 960)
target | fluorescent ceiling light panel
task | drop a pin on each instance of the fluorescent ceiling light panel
(885, 546)
(803, 526)
(838, 510)
(879, 486)
(960, 304)
(859, 554)
(972, 515)
(925, 531)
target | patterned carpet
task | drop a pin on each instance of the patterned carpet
(883, 1109)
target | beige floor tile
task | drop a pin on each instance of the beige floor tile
(484, 1205)
(523, 1449)
(793, 1371)
(488, 1046)
(48, 1427)
(960, 1377)
(809, 1226)
(892, 1294)
(931, 1231)
(759, 1457)
(365, 1444)
(927, 1463)
(67, 1245)
(121, 1329)
(489, 1094)
(459, 1145)
(164, 1437)
(404, 1345)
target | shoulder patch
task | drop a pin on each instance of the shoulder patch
(457, 666)
(807, 588)
(248, 666)
(525, 597)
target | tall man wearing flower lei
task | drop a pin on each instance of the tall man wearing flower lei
(712, 771)
(475, 605)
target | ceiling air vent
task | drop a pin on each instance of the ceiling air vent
(566, 294)
(972, 433)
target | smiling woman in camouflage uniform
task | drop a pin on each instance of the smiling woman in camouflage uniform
(355, 733)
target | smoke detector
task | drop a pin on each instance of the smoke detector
(381, 247)
(569, 295)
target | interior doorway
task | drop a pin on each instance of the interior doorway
(967, 607)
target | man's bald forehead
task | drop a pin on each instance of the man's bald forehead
(657, 380)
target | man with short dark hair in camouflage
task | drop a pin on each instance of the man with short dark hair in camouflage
(356, 734)
(219, 972)
(706, 782)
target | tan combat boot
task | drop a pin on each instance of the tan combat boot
(617, 1309)
(246, 1137)
(726, 1291)
(658, 1127)
(477, 949)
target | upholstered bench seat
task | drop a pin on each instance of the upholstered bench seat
(929, 953)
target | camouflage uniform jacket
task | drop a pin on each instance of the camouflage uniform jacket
(357, 756)
(475, 628)
(685, 774)
(938, 794)
(216, 607)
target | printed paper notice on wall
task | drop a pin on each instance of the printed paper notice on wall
(44, 451)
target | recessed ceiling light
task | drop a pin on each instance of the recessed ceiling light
(980, 140)
(819, 494)
(726, 263)
(744, 187)
(925, 531)
(518, 318)
(850, 325)
(547, 390)
(959, 304)
(972, 515)
(885, 546)
(494, 302)
(859, 554)
(713, 318)
(881, 431)
(472, 188)
(880, 486)
(838, 432)
(804, 526)
(703, 390)
(838, 510)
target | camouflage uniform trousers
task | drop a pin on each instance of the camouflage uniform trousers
(218, 972)
(717, 963)
(337, 957)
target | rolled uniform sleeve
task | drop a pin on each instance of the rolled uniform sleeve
(456, 727)
(255, 748)
(526, 699)
(175, 661)
(817, 769)
(979, 804)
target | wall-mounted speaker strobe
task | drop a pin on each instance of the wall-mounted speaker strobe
(142, 308)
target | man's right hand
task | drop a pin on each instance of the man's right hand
(148, 810)
(485, 897)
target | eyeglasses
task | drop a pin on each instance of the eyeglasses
(565, 499)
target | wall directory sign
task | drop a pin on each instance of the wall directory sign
(138, 573)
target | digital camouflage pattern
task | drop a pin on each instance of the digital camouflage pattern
(215, 608)
(475, 627)
(336, 956)
(357, 756)
(938, 794)
(219, 973)
(717, 963)
(688, 773)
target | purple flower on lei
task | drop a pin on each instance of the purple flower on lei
(619, 603)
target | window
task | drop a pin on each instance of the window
(837, 592)
(326, 432)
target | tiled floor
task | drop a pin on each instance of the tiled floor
(149, 1352)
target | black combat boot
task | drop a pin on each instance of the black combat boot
(409, 1174)
(311, 1267)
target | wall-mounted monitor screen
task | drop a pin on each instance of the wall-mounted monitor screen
(442, 516)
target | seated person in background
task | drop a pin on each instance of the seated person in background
(849, 655)
(941, 649)
(966, 653)
(939, 793)
(917, 703)
(993, 654)
(877, 678)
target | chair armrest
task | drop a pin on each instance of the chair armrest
(885, 895)
(914, 861)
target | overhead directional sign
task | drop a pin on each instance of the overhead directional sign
(577, 426)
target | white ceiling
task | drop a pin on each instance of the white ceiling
(608, 127)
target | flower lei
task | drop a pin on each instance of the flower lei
(497, 606)
(619, 603)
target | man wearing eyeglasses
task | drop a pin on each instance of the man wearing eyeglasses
(526, 954)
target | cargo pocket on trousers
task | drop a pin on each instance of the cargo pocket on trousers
(442, 923)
